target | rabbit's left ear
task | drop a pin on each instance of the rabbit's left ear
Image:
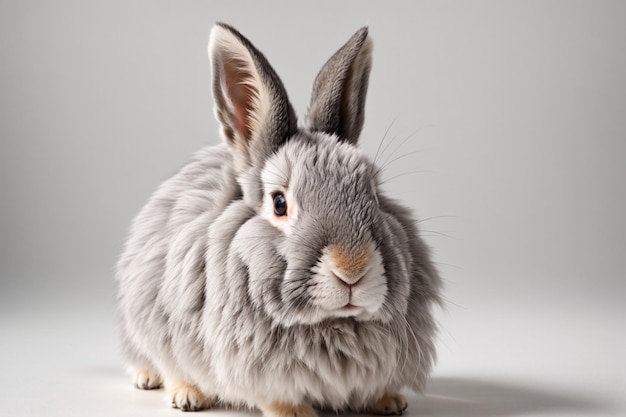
(251, 103)
(339, 91)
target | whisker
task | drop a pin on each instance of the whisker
(383, 139)
(450, 265)
(435, 217)
(406, 173)
(404, 141)
(387, 162)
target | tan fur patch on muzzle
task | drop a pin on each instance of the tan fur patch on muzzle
(351, 261)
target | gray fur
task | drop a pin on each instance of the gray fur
(281, 121)
(212, 293)
(339, 91)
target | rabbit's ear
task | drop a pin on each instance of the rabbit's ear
(338, 100)
(250, 100)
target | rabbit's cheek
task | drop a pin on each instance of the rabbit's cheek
(371, 292)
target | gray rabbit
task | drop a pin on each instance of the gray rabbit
(271, 271)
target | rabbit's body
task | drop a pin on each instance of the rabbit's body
(240, 282)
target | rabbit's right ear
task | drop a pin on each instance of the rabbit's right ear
(251, 103)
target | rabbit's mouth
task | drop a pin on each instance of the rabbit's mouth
(353, 311)
(350, 310)
(354, 292)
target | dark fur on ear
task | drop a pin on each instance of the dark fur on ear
(250, 100)
(338, 100)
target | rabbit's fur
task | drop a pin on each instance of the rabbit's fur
(329, 305)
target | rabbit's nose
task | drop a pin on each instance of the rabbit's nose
(349, 263)
(349, 280)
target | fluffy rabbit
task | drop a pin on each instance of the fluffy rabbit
(271, 271)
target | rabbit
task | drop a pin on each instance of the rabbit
(271, 272)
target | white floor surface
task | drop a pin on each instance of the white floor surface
(495, 359)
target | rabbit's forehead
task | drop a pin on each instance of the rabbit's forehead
(319, 166)
(277, 172)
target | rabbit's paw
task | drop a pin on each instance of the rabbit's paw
(146, 379)
(388, 404)
(188, 398)
(288, 410)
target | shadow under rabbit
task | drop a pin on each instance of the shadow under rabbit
(464, 397)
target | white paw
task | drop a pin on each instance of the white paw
(146, 379)
(188, 398)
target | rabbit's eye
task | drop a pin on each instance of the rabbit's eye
(280, 204)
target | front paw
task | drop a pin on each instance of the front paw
(388, 404)
(146, 379)
(288, 410)
(188, 398)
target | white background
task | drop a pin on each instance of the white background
(507, 134)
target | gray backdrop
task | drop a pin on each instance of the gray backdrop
(516, 109)
(506, 120)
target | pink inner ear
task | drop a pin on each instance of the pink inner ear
(242, 95)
